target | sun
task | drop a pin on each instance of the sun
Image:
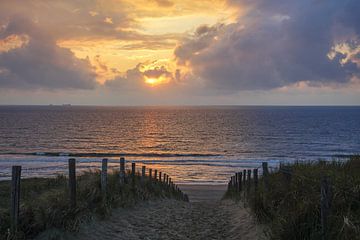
(151, 81)
(156, 81)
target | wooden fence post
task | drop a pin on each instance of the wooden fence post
(150, 174)
(256, 178)
(244, 177)
(160, 176)
(104, 167)
(249, 178)
(143, 173)
(15, 197)
(122, 170)
(133, 169)
(265, 175)
(186, 197)
(72, 182)
(155, 174)
(236, 181)
(164, 178)
(325, 204)
(287, 173)
(240, 182)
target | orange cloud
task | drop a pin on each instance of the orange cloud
(13, 41)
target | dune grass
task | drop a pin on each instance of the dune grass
(291, 205)
(45, 204)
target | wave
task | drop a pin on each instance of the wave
(113, 163)
(61, 154)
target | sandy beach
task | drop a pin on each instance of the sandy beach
(203, 192)
(204, 217)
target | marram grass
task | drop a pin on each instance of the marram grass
(45, 202)
(291, 206)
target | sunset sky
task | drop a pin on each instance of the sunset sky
(159, 52)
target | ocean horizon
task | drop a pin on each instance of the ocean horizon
(194, 144)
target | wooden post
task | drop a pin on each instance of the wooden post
(160, 176)
(186, 197)
(167, 179)
(104, 167)
(249, 178)
(287, 173)
(265, 175)
(150, 174)
(143, 173)
(155, 174)
(244, 176)
(72, 182)
(133, 169)
(265, 169)
(15, 197)
(170, 183)
(240, 182)
(122, 170)
(256, 178)
(236, 181)
(325, 205)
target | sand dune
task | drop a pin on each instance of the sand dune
(206, 217)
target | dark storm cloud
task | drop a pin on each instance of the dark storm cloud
(40, 63)
(277, 43)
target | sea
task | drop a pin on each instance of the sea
(193, 144)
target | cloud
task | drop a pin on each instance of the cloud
(164, 3)
(275, 44)
(72, 19)
(39, 63)
(157, 72)
(108, 20)
(135, 79)
(156, 44)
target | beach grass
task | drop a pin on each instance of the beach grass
(291, 207)
(45, 201)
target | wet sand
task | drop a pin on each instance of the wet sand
(204, 217)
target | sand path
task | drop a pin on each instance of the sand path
(205, 218)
